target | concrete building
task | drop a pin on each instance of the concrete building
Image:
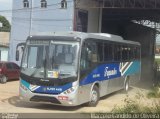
(34, 16)
(4, 46)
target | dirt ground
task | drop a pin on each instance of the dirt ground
(10, 102)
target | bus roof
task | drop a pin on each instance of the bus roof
(83, 36)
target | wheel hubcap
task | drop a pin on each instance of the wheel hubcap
(94, 96)
(126, 85)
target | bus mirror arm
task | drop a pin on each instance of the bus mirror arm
(17, 55)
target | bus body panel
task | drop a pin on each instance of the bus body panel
(111, 71)
(107, 85)
(84, 93)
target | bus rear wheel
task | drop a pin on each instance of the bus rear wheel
(126, 86)
(94, 98)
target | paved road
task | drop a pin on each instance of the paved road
(10, 102)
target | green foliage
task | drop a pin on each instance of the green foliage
(129, 107)
(6, 25)
(155, 92)
(157, 108)
(134, 106)
(157, 60)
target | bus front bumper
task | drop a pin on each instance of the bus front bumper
(60, 99)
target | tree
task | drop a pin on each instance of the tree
(6, 25)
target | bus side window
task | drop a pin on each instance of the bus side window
(100, 51)
(117, 52)
(108, 52)
(137, 53)
(89, 56)
(83, 61)
(131, 53)
(125, 52)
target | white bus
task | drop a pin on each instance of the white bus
(74, 68)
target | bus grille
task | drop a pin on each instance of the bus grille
(45, 93)
(45, 99)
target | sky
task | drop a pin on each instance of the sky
(6, 5)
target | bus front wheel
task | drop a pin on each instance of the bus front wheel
(94, 98)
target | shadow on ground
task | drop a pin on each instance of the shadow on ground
(17, 102)
(9, 81)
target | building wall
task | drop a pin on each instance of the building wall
(4, 37)
(4, 53)
(94, 15)
(4, 41)
(29, 21)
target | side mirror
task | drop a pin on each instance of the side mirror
(19, 51)
(17, 55)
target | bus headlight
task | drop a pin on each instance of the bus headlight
(23, 87)
(70, 90)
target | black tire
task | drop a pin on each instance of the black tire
(4, 79)
(126, 85)
(94, 97)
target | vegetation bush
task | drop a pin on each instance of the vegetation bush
(135, 106)
(155, 92)
(6, 25)
(157, 60)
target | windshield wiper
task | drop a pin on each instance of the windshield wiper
(35, 71)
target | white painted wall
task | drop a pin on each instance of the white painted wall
(50, 19)
(27, 22)
(4, 54)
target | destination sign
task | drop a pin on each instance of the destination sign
(44, 42)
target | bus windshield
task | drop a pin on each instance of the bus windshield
(55, 59)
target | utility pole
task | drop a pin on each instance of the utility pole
(31, 10)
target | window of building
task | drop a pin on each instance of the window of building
(82, 21)
(26, 4)
(64, 4)
(43, 4)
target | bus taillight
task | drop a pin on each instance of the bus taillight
(62, 97)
